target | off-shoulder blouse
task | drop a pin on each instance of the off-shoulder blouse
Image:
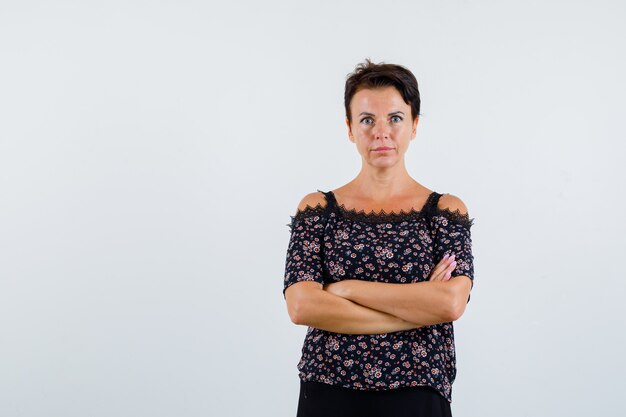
(331, 243)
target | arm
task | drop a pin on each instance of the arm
(429, 302)
(308, 304)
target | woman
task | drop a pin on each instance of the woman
(379, 269)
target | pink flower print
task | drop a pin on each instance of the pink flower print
(400, 252)
(332, 343)
(309, 246)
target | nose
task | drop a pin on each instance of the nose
(381, 132)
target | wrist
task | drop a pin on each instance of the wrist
(343, 289)
(350, 289)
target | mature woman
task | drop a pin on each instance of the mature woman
(378, 269)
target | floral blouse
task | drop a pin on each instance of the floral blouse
(331, 243)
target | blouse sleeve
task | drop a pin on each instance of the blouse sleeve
(453, 236)
(305, 251)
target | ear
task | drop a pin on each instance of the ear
(414, 131)
(350, 135)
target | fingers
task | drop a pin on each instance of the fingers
(443, 270)
(438, 272)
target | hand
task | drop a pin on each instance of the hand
(443, 270)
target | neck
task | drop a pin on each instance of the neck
(379, 184)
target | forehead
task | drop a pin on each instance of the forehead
(373, 100)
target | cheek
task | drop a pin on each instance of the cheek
(362, 134)
(363, 129)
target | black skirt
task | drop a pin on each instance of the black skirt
(322, 400)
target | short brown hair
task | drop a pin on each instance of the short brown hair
(370, 75)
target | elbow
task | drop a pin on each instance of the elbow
(456, 310)
(455, 304)
(297, 309)
(298, 306)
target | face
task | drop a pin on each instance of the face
(381, 126)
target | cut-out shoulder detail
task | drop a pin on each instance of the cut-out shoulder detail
(452, 203)
(454, 209)
(312, 200)
(311, 205)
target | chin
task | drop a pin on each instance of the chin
(383, 162)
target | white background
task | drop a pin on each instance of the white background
(152, 153)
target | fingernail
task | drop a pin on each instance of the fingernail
(452, 257)
(446, 256)
(453, 264)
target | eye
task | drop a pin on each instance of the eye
(396, 119)
(367, 120)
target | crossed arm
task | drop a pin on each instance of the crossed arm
(362, 307)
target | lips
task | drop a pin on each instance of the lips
(383, 148)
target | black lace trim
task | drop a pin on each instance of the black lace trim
(378, 217)
(382, 216)
(456, 216)
(392, 217)
(307, 212)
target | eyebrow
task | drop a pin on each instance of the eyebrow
(390, 114)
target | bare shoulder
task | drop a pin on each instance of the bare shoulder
(452, 203)
(312, 200)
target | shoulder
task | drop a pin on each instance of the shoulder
(312, 209)
(452, 210)
(452, 203)
(312, 200)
